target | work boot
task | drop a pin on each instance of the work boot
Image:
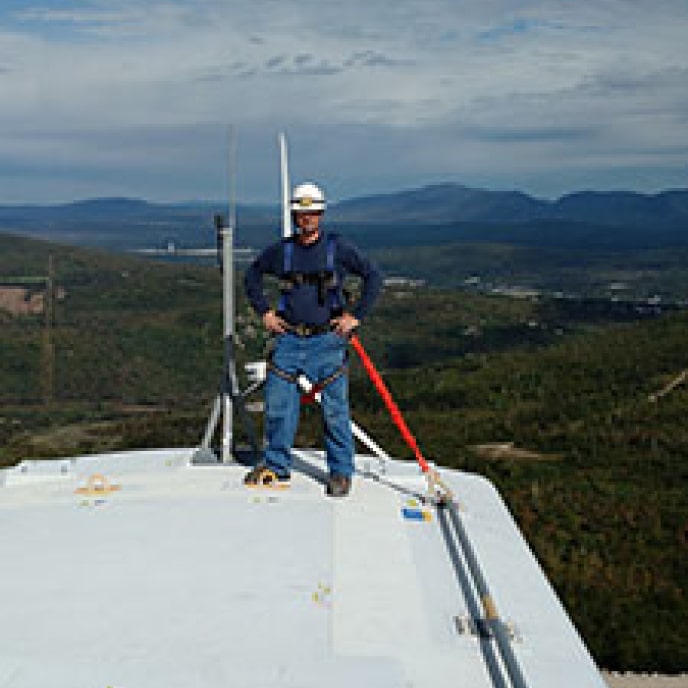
(262, 476)
(338, 486)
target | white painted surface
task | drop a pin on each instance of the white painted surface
(183, 577)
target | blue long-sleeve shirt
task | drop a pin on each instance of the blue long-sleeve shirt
(303, 304)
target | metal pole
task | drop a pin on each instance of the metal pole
(212, 422)
(230, 395)
(487, 648)
(494, 623)
(228, 302)
(287, 229)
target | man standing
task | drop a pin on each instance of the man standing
(311, 325)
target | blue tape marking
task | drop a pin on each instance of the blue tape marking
(415, 514)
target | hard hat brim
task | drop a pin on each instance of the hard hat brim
(297, 207)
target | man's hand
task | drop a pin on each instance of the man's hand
(345, 324)
(274, 323)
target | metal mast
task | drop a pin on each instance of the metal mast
(230, 396)
(287, 229)
(227, 234)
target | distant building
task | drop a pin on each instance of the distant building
(404, 282)
(617, 286)
(18, 301)
(517, 292)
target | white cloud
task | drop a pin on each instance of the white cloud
(503, 90)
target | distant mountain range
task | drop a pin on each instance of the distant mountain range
(445, 203)
(446, 212)
(127, 223)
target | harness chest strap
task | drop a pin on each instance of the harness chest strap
(326, 280)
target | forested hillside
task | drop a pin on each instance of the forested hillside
(566, 405)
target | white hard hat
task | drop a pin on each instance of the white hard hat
(307, 198)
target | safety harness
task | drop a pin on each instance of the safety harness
(327, 282)
(317, 386)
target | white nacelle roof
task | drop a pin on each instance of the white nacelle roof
(184, 577)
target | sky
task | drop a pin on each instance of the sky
(135, 97)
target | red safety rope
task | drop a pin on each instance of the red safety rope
(393, 409)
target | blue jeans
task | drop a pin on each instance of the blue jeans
(317, 358)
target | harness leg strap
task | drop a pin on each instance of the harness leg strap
(318, 386)
(321, 384)
(282, 373)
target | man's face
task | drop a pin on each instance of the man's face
(309, 226)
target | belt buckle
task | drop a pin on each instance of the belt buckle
(302, 330)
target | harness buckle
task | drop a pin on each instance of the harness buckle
(302, 330)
